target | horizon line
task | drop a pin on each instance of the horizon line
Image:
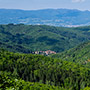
(44, 9)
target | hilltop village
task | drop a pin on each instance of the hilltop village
(46, 53)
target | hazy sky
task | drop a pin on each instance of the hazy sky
(43, 4)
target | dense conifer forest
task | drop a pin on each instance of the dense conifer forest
(37, 72)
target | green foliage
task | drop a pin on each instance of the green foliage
(15, 48)
(28, 38)
(79, 54)
(42, 69)
(87, 88)
(7, 82)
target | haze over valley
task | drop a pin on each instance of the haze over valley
(52, 17)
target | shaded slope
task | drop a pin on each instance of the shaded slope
(14, 48)
(42, 37)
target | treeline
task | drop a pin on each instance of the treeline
(42, 69)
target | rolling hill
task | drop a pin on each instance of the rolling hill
(79, 54)
(42, 37)
(55, 17)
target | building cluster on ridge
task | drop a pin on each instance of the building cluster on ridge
(48, 52)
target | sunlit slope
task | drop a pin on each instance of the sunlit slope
(79, 54)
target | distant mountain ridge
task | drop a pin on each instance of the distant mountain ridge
(53, 17)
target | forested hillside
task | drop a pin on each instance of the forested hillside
(28, 38)
(80, 54)
(14, 48)
(40, 73)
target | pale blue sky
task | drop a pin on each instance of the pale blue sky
(44, 4)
